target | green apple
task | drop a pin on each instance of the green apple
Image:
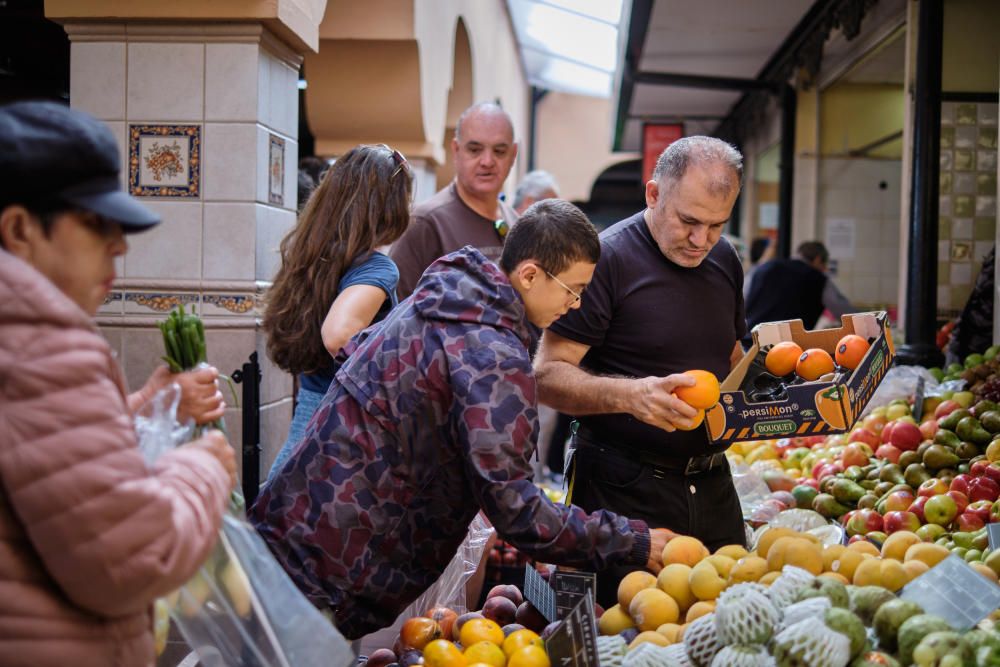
(930, 532)
(964, 398)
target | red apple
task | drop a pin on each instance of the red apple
(864, 522)
(899, 501)
(960, 483)
(940, 509)
(861, 434)
(888, 452)
(961, 500)
(945, 409)
(981, 508)
(928, 429)
(993, 472)
(847, 517)
(874, 423)
(932, 487)
(886, 433)
(858, 538)
(809, 481)
(978, 468)
(983, 488)
(905, 436)
(969, 522)
(918, 508)
(902, 520)
(856, 454)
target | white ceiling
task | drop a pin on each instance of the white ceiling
(724, 38)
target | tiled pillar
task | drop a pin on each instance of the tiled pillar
(207, 118)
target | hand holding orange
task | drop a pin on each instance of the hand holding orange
(702, 395)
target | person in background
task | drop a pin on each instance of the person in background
(974, 330)
(666, 298)
(535, 186)
(333, 282)
(89, 535)
(430, 419)
(797, 288)
(314, 166)
(468, 211)
(761, 251)
(305, 187)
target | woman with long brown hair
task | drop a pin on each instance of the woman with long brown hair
(333, 282)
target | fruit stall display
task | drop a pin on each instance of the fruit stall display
(907, 494)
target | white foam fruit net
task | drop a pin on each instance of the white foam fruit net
(746, 655)
(808, 608)
(646, 655)
(611, 650)
(701, 639)
(744, 615)
(786, 587)
(676, 655)
(810, 643)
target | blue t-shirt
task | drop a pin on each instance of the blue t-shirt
(377, 270)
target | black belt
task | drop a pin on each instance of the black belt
(688, 466)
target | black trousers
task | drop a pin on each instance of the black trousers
(704, 505)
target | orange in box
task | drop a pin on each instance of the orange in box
(812, 408)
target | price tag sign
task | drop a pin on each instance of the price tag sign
(918, 400)
(574, 641)
(570, 588)
(993, 531)
(955, 592)
(538, 592)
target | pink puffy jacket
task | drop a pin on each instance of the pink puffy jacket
(88, 535)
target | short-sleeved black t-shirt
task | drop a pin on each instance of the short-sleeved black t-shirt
(644, 315)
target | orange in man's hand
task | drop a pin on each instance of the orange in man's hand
(814, 363)
(781, 358)
(695, 421)
(705, 392)
(851, 350)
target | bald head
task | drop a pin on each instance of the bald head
(485, 111)
(719, 159)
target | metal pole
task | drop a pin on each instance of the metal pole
(922, 258)
(786, 170)
(249, 376)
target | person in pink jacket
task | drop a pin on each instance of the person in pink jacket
(89, 535)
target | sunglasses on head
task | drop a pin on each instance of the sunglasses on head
(399, 161)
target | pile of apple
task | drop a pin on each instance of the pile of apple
(507, 632)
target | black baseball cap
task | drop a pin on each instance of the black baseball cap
(51, 153)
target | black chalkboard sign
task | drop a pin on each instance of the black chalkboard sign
(574, 641)
(993, 532)
(955, 592)
(570, 588)
(538, 592)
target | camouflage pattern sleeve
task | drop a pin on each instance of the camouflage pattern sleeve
(496, 425)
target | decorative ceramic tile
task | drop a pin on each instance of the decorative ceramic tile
(961, 273)
(159, 302)
(165, 160)
(988, 114)
(963, 206)
(276, 171)
(228, 304)
(963, 183)
(947, 138)
(960, 295)
(987, 137)
(944, 228)
(944, 205)
(966, 114)
(943, 297)
(986, 184)
(986, 206)
(983, 229)
(965, 160)
(112, 304)
(961, 228)
(979, 250)
(948, 113)
(961, 251)
(945, 183)
(986, 160)
(965, 137)
(944, 249)
(947, 160)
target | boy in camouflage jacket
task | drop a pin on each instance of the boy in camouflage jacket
(432, 418)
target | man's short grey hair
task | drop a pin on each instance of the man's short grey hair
(535, 184)
(674, 162)
(486, 109)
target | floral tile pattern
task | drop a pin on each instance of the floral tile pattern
(237, 304)
(967, 202)
(276, 171)
(157, 301)
(165, 160)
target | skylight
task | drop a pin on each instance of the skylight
(568, 46)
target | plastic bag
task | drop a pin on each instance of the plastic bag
(240, 608)
(450, 588)
(752, 492)
(901, 382)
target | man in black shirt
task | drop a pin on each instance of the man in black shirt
(794, 289)
(666, 298)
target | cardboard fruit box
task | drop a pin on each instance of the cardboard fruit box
(810, 408)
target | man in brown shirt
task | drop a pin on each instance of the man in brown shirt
(467, 211)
